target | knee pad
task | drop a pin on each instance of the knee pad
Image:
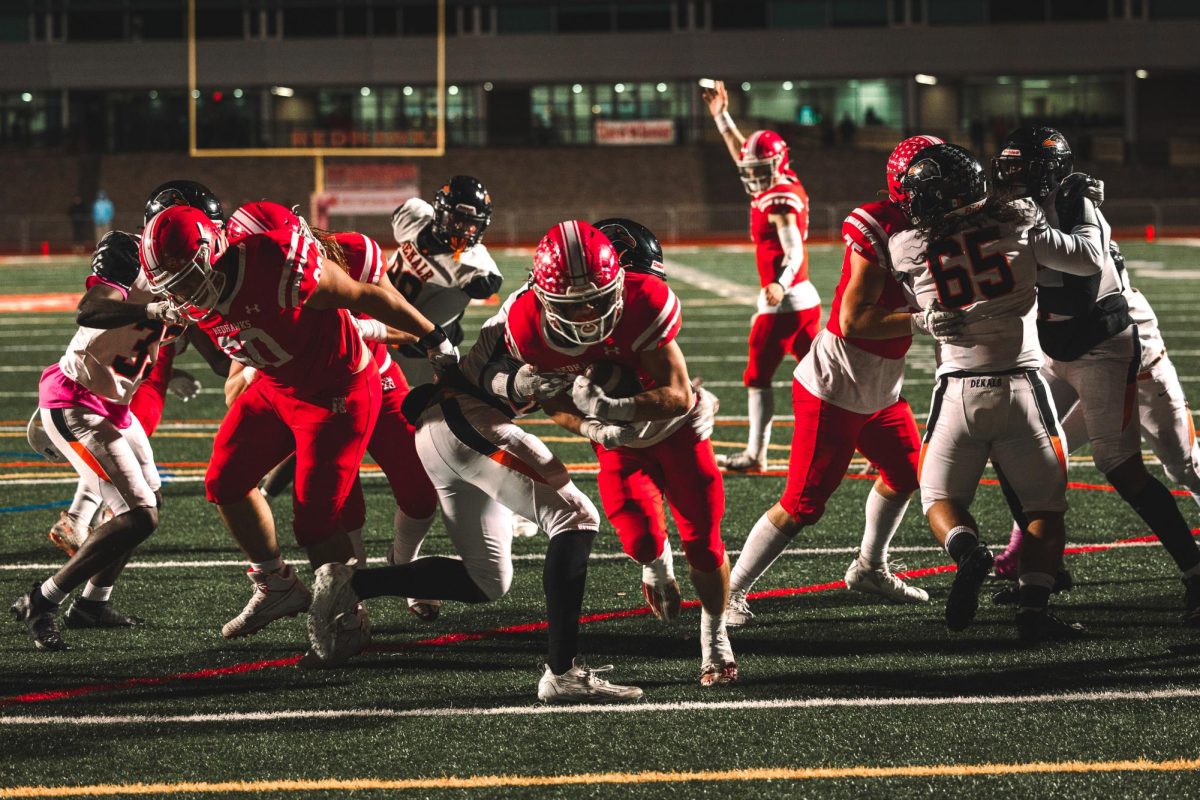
(576, 512)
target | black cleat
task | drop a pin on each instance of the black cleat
(1034, 626)
(88, 614)
(1191, 600)
(963, 601)
(42, 626)
(1011, 595)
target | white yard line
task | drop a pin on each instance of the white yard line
(228, 717)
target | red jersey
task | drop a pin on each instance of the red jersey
(365, 263)
(782, 198)
(651, 318)
(866, 232)
(261, 321)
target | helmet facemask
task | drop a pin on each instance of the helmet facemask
(459, 226)
(194, 287)
(606, 303)
(758, 175)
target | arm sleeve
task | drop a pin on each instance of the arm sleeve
(490, 367)
(793, 253)
(1080, 252)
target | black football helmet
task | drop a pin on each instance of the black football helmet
(940, 180)
(1033, 161)
(185, 193)
(462, 210)
(637, 247)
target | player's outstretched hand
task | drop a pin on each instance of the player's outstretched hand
(591, 400)
(183, 385)
(716, 98)
(540, 386)
(606, 434)
(943, 324)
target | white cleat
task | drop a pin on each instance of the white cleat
(351, 637)
(425, 610)
(523, 528)
(66, 536)
(864, 578)
(333, 598)
(722, 674)
(744, 461)
(738, 612)
(276, 594)
(580, 684)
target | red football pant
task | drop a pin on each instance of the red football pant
(824, 441)
(394, 448)
(632, 484)
(329, 433)
(774, 335)
(151, 395)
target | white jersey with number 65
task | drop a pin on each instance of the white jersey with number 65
(990, 269)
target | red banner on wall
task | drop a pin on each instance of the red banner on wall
(642, 131)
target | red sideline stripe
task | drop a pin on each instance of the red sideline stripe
(474, 636)
(1083, 487)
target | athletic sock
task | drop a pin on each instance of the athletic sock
(49, 596)
(763, 546)
(714, 641)
(564, 578)
(272, 565)
(1157, 508)
(408, 534)
(83, 507)
(1014, 539)
(960, 541)
(1034, 590)
(97, 594)
(761, 402)
(660, 571)
(431, 578)
(883, 518)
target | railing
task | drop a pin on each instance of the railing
(31, 234)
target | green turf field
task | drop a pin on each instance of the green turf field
(840, 695)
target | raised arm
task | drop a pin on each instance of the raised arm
(717, 100)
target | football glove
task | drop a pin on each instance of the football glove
(164, 311)
(704, 415)
(608, 435)
(1072, 204)
(183, 385)
(591, 400)
(530, 384)
(943, 324)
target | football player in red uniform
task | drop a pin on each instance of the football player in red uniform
(272, 301)
(846, 396)
(789, 309)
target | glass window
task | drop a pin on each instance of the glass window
(385, 21)
(859, 13)
(584, 18)
(354, 21)
(523, 19)
(957, 12)
(419, 20)
(1077, 10)
(310, 22)
(799, 14)
(1017, 10)
(644, 17)
(30, 119)
(1173, 9)
(157, 24)
(95, 25)
(738, 14)
(219, 19)
(14, 25)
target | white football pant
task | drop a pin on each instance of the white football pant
(116, 464)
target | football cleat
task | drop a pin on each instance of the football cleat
(581, 684)
(963, 601)
(738, 612)
(276, 594)
(425, 610)
(861, 577)
(724, 674)
(666, 601)
(65, 536)
(1034, 625)
(744, 461)
(1191, 600)
(43, 627)
(351, 635)
(1011, 594)
(88, 614)
(333, 597)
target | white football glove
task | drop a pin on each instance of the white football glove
(607, 435)
(540, 386)
(165, 311)
(943, 324)
(704, 415)
(590, 399)
(183, 385)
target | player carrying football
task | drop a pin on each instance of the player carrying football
(789, 310)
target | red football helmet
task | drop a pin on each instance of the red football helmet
(259, 218)
(179, 247)
(897, 163)
(763, 161)
(579, 281)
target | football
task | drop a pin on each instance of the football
(615, 379)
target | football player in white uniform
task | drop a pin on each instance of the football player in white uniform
(972, 263)
(83, 415)
(1092, 346)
